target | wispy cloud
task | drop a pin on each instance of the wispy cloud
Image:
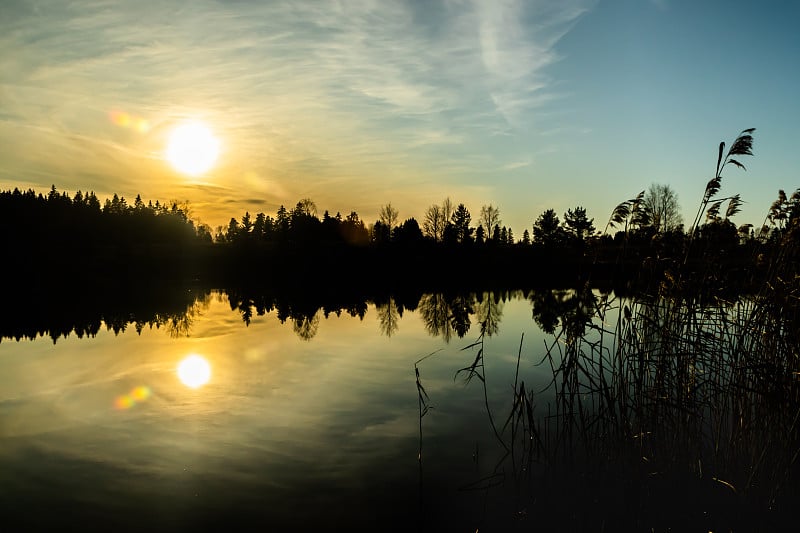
(302, 93)
(517, 164)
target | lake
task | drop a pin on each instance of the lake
(235, 414)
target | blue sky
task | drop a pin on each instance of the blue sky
(526, 105)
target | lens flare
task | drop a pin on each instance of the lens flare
(135, 396)
(140, 394)
(128, 121)
(124, 402)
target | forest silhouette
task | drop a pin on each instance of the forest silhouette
(58, 240)
(63, 240)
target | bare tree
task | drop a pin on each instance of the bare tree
(432, 223)
(447, 209)
(306, 207)
(489, 218)
(661, 204)
(436, 219)
(388, 216)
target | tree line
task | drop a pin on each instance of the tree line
(81, 234)
(443, 223)
(78, 237)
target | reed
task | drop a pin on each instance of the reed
(686, 380)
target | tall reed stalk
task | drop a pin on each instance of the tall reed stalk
(688, 379)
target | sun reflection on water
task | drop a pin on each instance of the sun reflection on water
(194, 371)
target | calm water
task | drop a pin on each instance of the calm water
(304, 423)
(287, 417)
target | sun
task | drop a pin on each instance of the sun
(192, 148)
(194, 371)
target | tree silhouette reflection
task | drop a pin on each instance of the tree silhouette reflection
(569, 308)
(388, 316)
(445, 315)
(84, 312)
(435, 312)
(306, 327)
(489, 312)
(460, 310)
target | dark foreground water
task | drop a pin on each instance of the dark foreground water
(324, 424)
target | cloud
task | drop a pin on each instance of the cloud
(302, 93)
(517, 164)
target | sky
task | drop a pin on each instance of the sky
(526, 105)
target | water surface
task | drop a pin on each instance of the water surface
(302, 423)
(458, 412)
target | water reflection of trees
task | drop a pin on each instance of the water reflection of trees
(84, 313)
(488, 312)
(569, 308)
(306, 327)
(435, 313)
(445, 315)
(303, 310)
(389, 316)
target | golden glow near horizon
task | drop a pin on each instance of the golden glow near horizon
(192, 148)
(194, 371)
(297, 106)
